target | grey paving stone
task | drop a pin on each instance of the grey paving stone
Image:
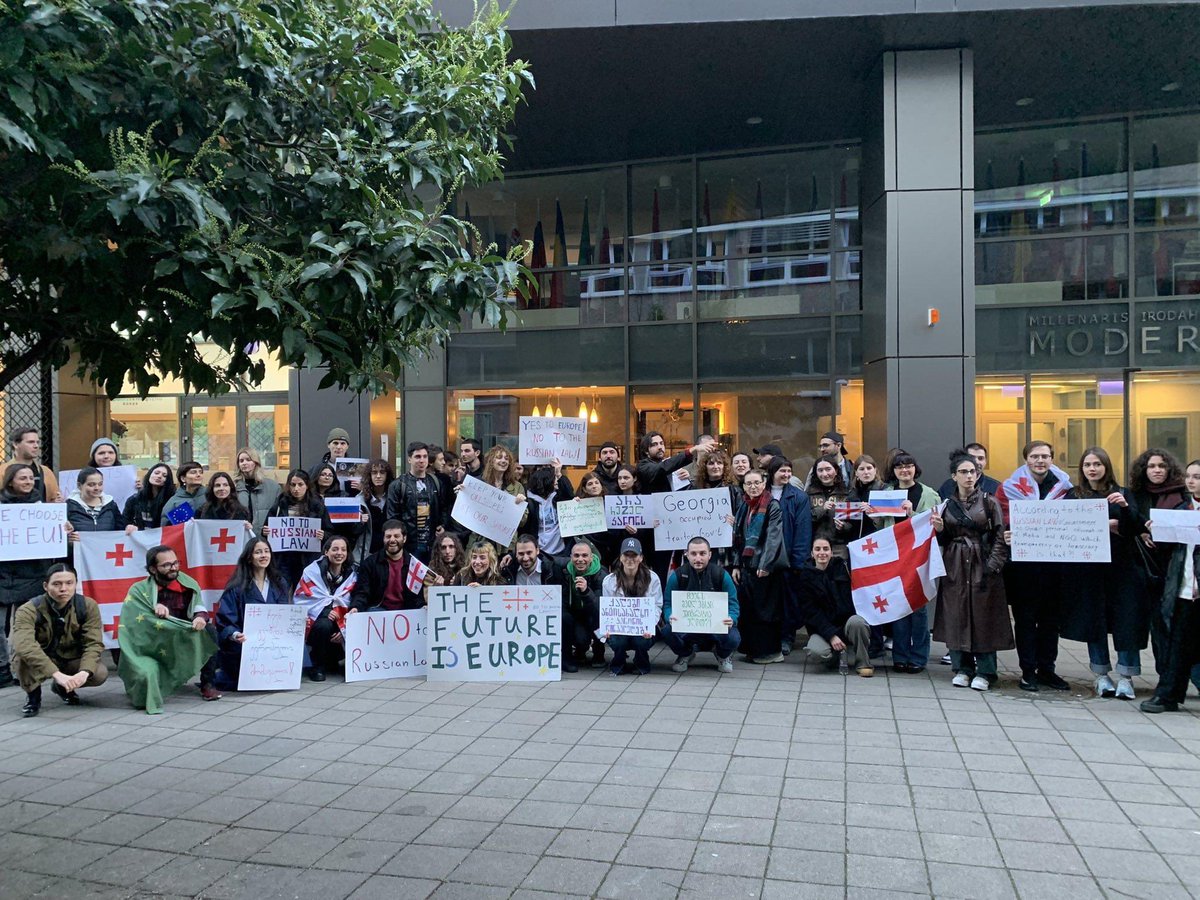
(730, 859)
(811, 866)
(425, 861)
(561, 875)
(601, 846)
(1131, 865)
(494, 867)
(1050, 886)
(970, 882)
(388, 887)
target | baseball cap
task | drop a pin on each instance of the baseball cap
(631, 545)
(834, 436)
(768, 450)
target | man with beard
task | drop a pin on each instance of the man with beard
(606, 467)
(383, 576)
(654, 474)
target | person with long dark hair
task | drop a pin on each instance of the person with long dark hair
(910, 634)
(825, 488)
(547, 487)
(255, 580)
(144, 508)
(762, 560)
(450, 557)
(325, 589)
(221, 501)
(631, 577)
(298, 500)
(376, 479)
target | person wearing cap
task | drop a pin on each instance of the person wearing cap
(768, 452)
(701, 572)
(607, 462)
(631, 577)
(833, 443)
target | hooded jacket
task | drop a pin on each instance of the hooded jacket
(182, 496)
(105, 517)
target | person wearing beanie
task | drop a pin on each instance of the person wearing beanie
(104, 454)
(338, 443)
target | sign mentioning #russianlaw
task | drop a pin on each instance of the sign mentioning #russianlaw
(502, 633)
(543, 439)
(1060, 531)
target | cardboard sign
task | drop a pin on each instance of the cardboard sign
(699, 612)
(1059, 531)
(488, 511)
(33, 531)
(683, 515)
(386, 645)
(293, 533)
(633, 509)
(1175, 526)
(581, 516)
(543, 439)
(635, 616)
(120, 482)
(498, 633)
(273, 653)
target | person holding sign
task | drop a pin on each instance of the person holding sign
(1181, 592)
(654, 474)
(839, 638)
(630, 577)
(701, 573)
(325, 484)
(165, 634)
(825, 489)
(325, 589)
(58, 636)
(762, 560)
(972, 612)
(499, 472)
(190, 492)
(254, 580)
(89, 508)
(383, 577)
(297, 500)
(1099, 599)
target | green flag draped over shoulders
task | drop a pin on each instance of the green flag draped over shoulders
(159, 655)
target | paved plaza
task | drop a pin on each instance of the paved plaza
(783, 781)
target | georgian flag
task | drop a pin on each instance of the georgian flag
(111, 562)
(417, 571)
(1021, 485)
(893, 572)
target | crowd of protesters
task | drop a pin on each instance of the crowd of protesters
(787, 571)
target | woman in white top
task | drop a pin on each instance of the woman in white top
(631, 577)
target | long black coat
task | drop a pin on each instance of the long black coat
(1099, 599)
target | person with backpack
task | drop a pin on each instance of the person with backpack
(58, 637)
(701, 572)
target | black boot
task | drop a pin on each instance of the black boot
(68, 697)
(33, 703)
(6, 677)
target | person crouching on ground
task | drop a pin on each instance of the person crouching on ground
(631, 577)
(701, 573)
(836, 631)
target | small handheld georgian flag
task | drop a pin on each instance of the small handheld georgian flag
(417, 571)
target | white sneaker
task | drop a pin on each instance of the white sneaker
(979, 683)
(681, 663)
(725, 666)
(1105, 687)
(1124, 689)
(962, 679)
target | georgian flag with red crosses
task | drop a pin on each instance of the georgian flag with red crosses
(111, 562)
(894, 572)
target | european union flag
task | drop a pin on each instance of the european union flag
(180, 514)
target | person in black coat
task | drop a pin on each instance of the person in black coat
(835, 629)
(297, 499)
(531, 566)
(383, 576)
(144, 508)
(654, 474)
(414, 499)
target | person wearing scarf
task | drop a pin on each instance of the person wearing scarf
(325, 589)
(762, 559)
(581, 606)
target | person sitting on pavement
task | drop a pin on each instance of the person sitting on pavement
(325, 589)
(631, 577)
(255, 580)
(383, 577)
(701, 572)
(165, 634)
(835, 630)
(58, 636)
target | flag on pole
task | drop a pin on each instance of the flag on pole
(585, 238)
(558, 258)
(417, 570)
(894, 572)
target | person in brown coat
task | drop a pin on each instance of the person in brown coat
(972, 611)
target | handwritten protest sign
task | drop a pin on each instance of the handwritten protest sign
(634, 509)
(298, 533)
(33, 531)
(501, 633)
(683, 515)
(1059, 531)
(543, 439)
(488, 511)
(699, 612)
(386, 645)
(273, 653)
(1175, 526)
(120, 482)
(581, 516)
(636, 616)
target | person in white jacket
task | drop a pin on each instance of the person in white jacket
(631, 577)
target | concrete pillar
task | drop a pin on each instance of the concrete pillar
(918, 255)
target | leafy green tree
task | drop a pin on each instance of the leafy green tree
(182, 172)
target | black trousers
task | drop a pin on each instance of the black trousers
(322, 651)
(1183, 651)
(1032, 590)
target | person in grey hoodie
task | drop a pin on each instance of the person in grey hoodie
(190, 490)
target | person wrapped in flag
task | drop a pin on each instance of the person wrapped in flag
(254, 580)
(325, 589)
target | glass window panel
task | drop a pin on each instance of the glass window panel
(1163, 414)
(748, 415)
(848, 345)
(1044, 180)
(1044, 271)
(743, 287)
(850, 411)
(269, 433)
(591, 203)
(658, 352)
(147, 430)
(661, 292)
(1072, 414)
(1087, 336)
(518, 358)
(667, 409)
(1000, 421)
(847, 281)
(662, 212)
(778, 348)
(214, 437)
(1168, 263)
(1166, 178)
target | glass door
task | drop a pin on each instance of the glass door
(214, 431)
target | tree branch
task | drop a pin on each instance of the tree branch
(35, 354)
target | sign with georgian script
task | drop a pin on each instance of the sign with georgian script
(273, 652)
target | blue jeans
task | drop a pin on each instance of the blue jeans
(910, 639)
(721, 645)
(1129, 662)
(621, 644)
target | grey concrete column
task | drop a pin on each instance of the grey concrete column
(918, 255)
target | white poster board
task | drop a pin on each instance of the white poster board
(1175, 526)
(488, 511)
(501, 633)
(120, 482)
(273, 653)
(298, 534)
(33, 531)
(683, 515)
(386, 645)
(632, 509)
(699, 612)
(1059, 530)
(543, 439)
(680, 479)
(581, 517)
(636, 616)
